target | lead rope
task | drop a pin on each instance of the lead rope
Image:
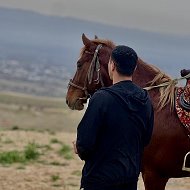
(174, 81)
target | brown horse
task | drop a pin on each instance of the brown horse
(163, 157)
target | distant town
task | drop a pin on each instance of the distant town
(35, 79)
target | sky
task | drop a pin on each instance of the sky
(162, 16)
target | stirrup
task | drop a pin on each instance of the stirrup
(185, 168)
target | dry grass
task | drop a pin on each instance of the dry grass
(32, 113)
(50, 171)
(52, 131)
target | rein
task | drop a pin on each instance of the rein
(94, 66)
(174, 81)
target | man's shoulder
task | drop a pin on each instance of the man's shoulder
(102, 93)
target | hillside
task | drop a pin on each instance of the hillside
(38, 52)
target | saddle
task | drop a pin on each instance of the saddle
(182, 102)
(182, 105)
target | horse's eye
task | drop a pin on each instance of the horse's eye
(79, 65)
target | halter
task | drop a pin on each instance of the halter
(94, 66)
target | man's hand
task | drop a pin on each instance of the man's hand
(74, 147)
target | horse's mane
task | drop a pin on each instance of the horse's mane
(167, 93)
(107, 43)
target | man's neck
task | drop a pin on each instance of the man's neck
(119, 78)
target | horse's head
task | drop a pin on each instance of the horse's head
(91, 73)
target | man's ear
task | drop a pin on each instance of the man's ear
(112, 65)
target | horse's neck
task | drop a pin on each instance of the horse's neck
(143, 75)
(105, 75)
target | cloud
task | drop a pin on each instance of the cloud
(167, 16)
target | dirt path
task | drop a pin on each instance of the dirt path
(51, 171)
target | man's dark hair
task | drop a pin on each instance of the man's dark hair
(125, 59)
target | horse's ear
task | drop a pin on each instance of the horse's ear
(96, 37)
(85, 40)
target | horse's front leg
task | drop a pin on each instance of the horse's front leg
(153, 181)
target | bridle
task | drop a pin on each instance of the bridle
(94, 67)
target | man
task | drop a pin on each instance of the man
(115, 128)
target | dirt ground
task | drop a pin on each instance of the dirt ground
(50, 171)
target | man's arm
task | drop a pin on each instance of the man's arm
(149, 127)
(88, 128)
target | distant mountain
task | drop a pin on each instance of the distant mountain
(42, 43)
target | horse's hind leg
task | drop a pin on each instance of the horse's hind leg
(153, 181)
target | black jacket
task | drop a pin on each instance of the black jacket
(112, 134)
